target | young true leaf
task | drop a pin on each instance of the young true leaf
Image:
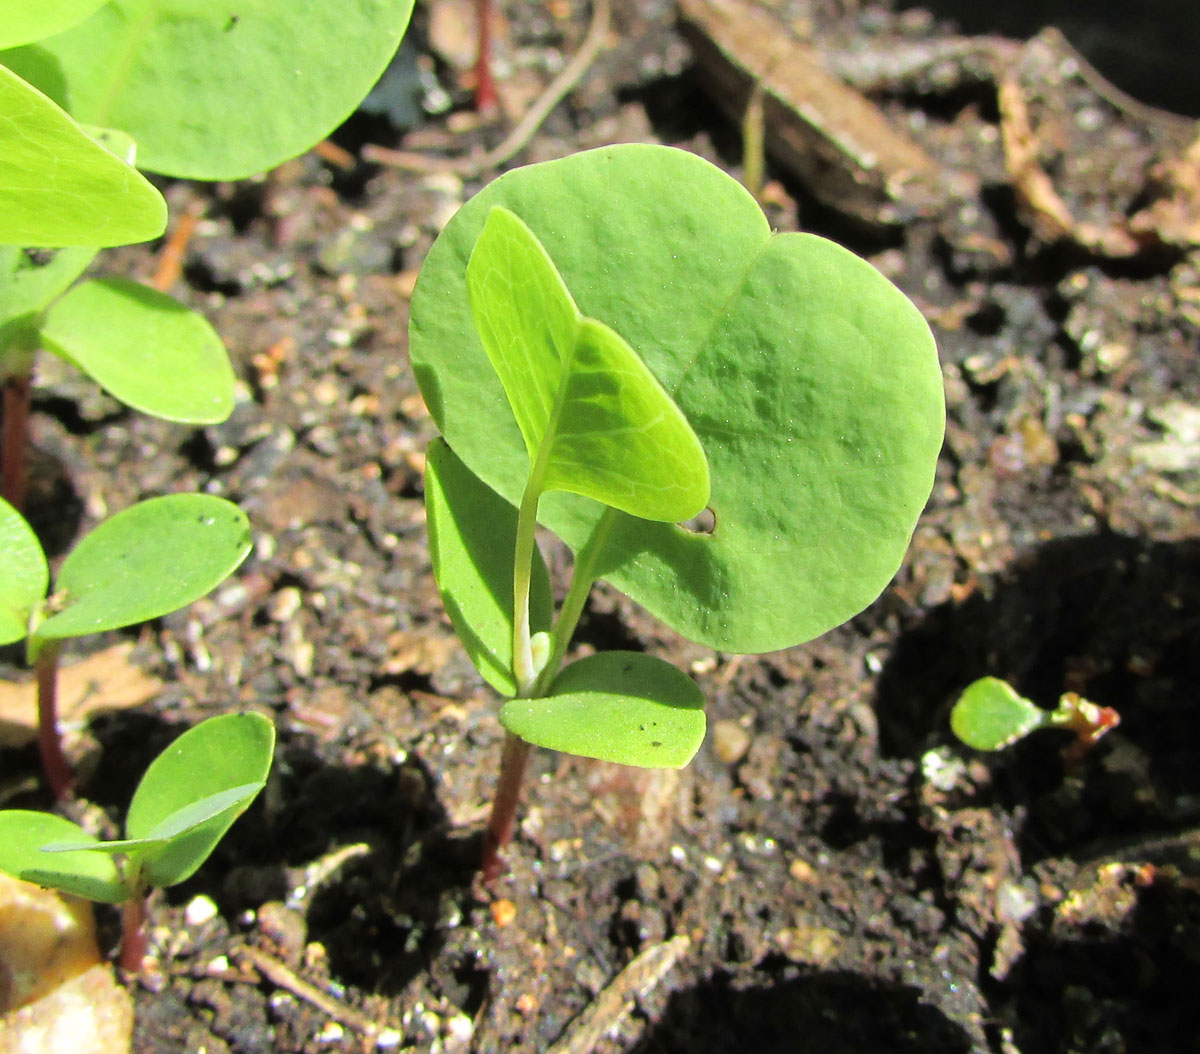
(146, 561)
(24, 575)
(83, 873)
(58, 187)
(594, 419)
(990, 715)
(23, 23)
(811, 381)
(168, 71)
(228, 755)
(151, 353)
(619, 706)
(472, 533)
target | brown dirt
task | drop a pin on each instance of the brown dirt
(848, 878)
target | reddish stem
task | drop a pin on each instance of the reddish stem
(14, 445)
(503, 820)
(485, 87)
(134, 941)
(59, 773)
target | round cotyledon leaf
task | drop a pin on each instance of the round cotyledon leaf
(194, 790)
(811, 381)
(83, 872)
(146, 561)
(621, 706)
(218, 91)
(24, 574)
(990, 715)
(145, 348)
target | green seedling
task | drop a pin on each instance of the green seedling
(188, 798)
(611, 344)
(145, 67)
(990, 715)
(147, 561)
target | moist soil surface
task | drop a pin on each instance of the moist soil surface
(833, 872)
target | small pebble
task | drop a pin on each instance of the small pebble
(200, 910)
(503, 912)
(729, 741)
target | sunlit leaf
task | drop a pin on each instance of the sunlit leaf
(84, 873)
(24, 21)
(226, 756)
(594, 419)
(990, 715)
(218, 91)
(617, 706)
(153, 558)
(472, 534)
(58, 187)
(148, 350)
(24, 575)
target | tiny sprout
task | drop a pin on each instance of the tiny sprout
(990, 715)
(187, 799)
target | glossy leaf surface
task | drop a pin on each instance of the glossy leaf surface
(811, 381)
(150, 559)
(195, 789)
(24, 575)
(594, 419)
(218, 91)
(619, 706)
(472, 535)
(30, 280)
(58, 187)
(83, 873)
(990, 715)
(145, 348)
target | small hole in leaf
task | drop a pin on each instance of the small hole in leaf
(704, 522)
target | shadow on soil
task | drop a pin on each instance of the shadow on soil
(1112, 617)
(378, 912)
(818, 1012)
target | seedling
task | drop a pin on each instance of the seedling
(145, 67)
(186, 801)
(151, 559)
(990, 715)
(611, 344)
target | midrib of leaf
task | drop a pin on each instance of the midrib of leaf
(123, 61)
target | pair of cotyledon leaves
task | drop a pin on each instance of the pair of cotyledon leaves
(144, 562)
(810, 382)
(185, 802)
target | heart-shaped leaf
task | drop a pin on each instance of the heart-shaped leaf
(811, 381)
(218, 91)
(594, 419)
(145, 348)
(24, 577)
(58, 187)
(620, 706)
(83, 873)
(194, 790)
(153, 558)
(23, 23)
(472, 535)
(990, 715)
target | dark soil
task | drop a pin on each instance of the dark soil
(848, 878)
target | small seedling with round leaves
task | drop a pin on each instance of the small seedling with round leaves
(187, 799)
(991, 715)
(82, 82)
(611, 344)
(147, 561)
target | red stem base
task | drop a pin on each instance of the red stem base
(503, 820)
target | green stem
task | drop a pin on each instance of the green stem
(523, 666)
(583, 577)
